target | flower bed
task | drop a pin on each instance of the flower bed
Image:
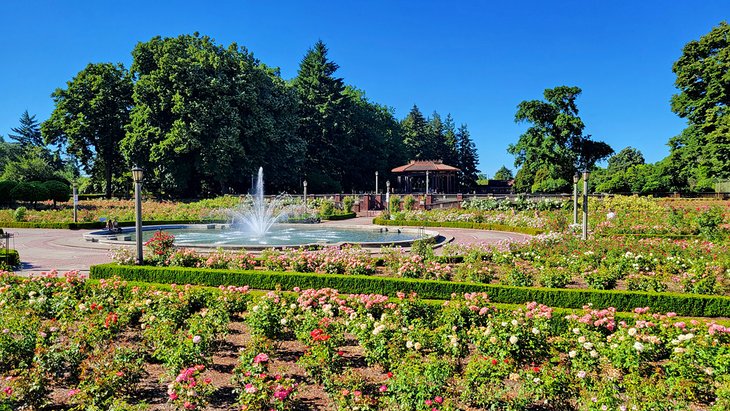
(68, 342)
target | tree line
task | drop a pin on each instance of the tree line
(554, 148)
(200, 118)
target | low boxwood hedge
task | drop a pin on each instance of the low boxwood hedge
(344, 216)
(682, 304)
(12, 258)
(459, 224)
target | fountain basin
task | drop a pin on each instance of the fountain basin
(212, 236)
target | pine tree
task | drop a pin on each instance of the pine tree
(415, 134)
(322, 111)
(437, 138)
(468, 159)
(451, 155)
(29, 132)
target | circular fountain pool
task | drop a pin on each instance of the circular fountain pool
(279, 236)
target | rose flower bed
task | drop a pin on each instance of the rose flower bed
(67, 343)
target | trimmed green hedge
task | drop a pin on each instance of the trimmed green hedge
(682, 304)
(459, 224)
(345, 216)
(88, 225)
(12, 257)
(647, 235)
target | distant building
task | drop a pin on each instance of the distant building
(417, 174)
(496, 187)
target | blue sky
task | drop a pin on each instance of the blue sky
(474, 59)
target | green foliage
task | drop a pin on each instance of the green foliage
(19, 214)
(468, 159)
(682, 304)
(90, 115)
(347, 204)
(5, 189)
(33, 165)
(326, 208)
(57, 191)
(709, 222)
(409, 202)
(554, 147)
(32, 191)
(700, 153)
(503, 173)
(11, 258)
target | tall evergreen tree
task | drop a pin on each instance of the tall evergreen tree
(468, 159)
(503, 173)
(437, 137)
(451, 155)
(323, 107)
(416, 135)
(29, 132)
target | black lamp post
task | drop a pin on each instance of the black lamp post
(304, 183)
(586, 174)
(137, 175)
(576, 177)
(75, 186)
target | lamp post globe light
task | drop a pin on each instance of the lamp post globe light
(387, 194)
(576, 177)
(376, 183)
(586, 174)
(75, 186)
(137, 175)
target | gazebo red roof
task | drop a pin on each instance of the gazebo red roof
(424, 165)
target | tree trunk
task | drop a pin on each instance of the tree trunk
(108, 177)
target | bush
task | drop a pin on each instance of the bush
(19, 214)
(409, 202)
(393, 204)
(33, 191)
(458, 224)
(347, 203)
(326, 208)
(12, 258)
(682, 304)
(57, 191)
(6, 187)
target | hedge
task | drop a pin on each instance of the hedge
(12, 257)
(683, 304)
(647, 235)
(459, 224)
(344, 216)
(99, 224)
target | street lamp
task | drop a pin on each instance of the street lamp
(376, 183)
(576, 177)
(586, 174)
(137, 175)
(304, 183)
(75, 186)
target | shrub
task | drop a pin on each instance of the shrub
(57, 191)
(11, 258)
(161, 245)
(518, 278)
(19, 214)
(6, 188)
(409, 202)
(709, 222)
(347, 203)
(33, 192)
(554, 277)
(393, 205)
(326, 208)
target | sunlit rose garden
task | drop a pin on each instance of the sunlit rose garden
(68, 342)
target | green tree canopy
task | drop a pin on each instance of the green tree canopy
(553, 148)
(701, 153)
(90, 116)
(503, 173)
(624, 159)
(416, 135)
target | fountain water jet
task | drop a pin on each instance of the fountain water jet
(261, 215)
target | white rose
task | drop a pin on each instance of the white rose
(513, 339)
(638, 346)
(632, 331)
(572, 354)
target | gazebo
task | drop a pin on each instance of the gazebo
(426, 176)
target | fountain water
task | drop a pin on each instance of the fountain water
(259, 216)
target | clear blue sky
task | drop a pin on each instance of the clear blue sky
(474, 59)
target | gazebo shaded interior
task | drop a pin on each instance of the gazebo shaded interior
(412, 177)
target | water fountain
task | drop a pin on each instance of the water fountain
(259, 216)
(258, 224)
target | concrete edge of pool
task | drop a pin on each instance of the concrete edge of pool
(125, 237)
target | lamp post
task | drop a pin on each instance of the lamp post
(387, 194)
(376, 183)
(137, 175)
(586, 174)
(576, 177)
(426, 182)
(304, 183)
(75, 186)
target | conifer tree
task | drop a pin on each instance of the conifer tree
(468, 159)
(29, 132)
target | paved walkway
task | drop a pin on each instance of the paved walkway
(42, 250)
